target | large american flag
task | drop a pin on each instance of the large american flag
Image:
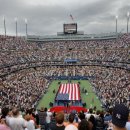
(68, 91)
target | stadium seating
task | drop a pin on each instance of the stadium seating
(19, 71)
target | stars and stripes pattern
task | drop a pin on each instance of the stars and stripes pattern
(68, 91)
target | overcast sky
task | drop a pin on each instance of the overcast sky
(48, 16)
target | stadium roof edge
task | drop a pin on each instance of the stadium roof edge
(104, 36)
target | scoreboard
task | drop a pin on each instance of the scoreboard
(70, 28)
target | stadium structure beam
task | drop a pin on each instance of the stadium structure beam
(4, 25)
(26, 26)
(16, 20)
(116, 22)
(128, 14)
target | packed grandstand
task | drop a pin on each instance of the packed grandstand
(29, 64)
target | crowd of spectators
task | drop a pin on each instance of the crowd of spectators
(24, 88)
(18, 50)
(43, 119)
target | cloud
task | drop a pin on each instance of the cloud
(47, 16)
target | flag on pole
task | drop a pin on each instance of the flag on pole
(71, 17)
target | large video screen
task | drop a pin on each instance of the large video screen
(70, 28)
